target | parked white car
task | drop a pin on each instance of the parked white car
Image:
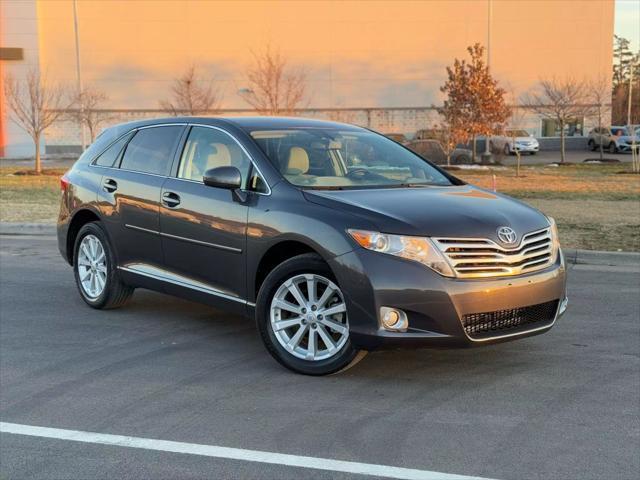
(513, 140)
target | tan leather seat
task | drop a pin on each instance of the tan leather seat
(298, 162)
(220, 157)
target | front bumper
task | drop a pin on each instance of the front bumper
(626, 147)
(527, 148)
(435, 305)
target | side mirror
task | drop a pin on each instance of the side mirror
(223, 177)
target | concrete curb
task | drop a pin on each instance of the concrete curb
(9, 228)
(596, 257)
(572, 255)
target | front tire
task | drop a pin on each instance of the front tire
(95, 269)
(302, 317)
(613, 148)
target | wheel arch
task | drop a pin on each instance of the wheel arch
(79, 219)
(275, 255)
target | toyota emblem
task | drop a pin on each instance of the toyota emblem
(507, 235)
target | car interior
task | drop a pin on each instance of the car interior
(339, 159)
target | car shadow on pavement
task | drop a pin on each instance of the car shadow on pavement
(206, 324)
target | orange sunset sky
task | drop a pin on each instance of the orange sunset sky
(388, 53)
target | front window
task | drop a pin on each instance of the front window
(572, 128)
(332, 158)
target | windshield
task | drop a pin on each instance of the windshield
(619, 131)
(517, 133)
(331, 158)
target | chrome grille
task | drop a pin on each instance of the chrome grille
(482, 257)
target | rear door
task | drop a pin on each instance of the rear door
(130, 195)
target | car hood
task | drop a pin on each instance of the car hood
(460, 150)
(456, 211)
(627, 138)
(525, 139)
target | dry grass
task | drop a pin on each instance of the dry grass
(601, 182)
(29, 198)
(595, 206)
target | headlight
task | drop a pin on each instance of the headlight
(555, 239)
(418, 249)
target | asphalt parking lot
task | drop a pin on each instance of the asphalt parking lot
(562, 405)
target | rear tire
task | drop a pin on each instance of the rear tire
(289, 314)
(96, 271)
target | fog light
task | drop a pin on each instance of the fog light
(563, 306)
(393, 319)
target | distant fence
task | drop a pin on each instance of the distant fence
(65, 137)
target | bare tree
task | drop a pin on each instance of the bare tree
(599, 98)
(475, 102)
(86, 110)
(192, 95)
(517, 122)
(449, 137)
(561, 101)
(273, 87)
(35, 103)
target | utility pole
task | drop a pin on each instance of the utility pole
(78, 74)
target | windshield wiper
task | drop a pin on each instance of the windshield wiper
(324, 187)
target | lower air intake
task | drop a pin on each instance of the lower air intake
(505, 322)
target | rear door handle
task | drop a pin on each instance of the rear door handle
(170, 199)
(109, 185)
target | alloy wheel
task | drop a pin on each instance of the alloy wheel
(308, 317)
(92, 266)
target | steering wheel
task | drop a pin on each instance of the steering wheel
(359, 172)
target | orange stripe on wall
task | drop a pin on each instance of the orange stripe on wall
(2, 113)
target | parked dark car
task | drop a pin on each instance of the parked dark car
(433, 151)
(397, 137)
(336, 239)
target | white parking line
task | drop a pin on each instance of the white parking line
(230, 453)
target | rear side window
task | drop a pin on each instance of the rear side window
(109, 157)
(151, 150)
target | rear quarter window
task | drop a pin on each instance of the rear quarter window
(109, 157)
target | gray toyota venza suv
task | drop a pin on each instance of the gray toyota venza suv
(335, 238)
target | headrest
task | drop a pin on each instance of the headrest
(298, 163)
(219, 157)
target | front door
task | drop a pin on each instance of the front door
(203, 229)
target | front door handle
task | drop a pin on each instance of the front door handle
(109, 185)
(170, 199)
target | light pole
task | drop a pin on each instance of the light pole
(486, 156)
(78, 74)
(634, 151)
